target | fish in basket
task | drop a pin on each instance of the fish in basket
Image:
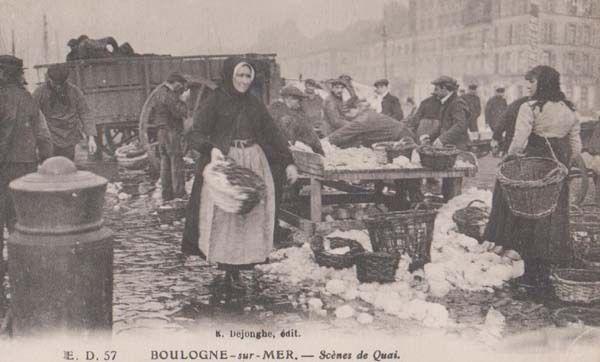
(531, 185)
(438, 158)
(472, 220)
(335, 252)
(386, 152)
(235, 189)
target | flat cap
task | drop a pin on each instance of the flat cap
(345, 77)
(339, 81)
(500, 89)
(58, 73)
(9, 61)
(446, 81)
(291, 91)
(176, 77)
(472, 86)
(379, 82)
(312, 83)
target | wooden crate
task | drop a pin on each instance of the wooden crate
(309, 162)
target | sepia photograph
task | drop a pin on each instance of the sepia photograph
(300, 180)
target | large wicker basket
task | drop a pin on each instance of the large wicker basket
(584, 222)
(402, 232)
(532, 185)
(576, 285)
(329, 260)
(578, 315)
(438, 158)
(377, 267)
(472, 220)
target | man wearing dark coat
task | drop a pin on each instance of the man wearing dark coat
(505, 127)
(333, 108)
(295, 125)
(167, 116)
(494, 108)
(474, 107)
(24, 139)
(390, 105)
(425, 122)
(313, 103)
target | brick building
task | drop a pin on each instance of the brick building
(487, 42)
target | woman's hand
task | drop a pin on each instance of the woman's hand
(292, 174)
(92, 147)
(216, 155)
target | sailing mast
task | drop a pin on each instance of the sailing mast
(46, 40)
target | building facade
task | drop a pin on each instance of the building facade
(487, 42)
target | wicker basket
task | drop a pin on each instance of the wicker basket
(402, 232)
(308, 162)
(584, 222)
(438, 158)
(377, 267)
(472, 220)
(591, 259)
(387, 151)
(173, 211)
(576, 285)
(531, 185)
(587, 316)
(323, 258)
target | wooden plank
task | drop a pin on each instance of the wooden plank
(393, 174)
(315, 200)
(301, 223)
(356, 198)
(344, 186)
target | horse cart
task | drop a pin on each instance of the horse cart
(119, 90)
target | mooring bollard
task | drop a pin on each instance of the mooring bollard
(60, 257)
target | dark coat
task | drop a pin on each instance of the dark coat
(333, 115)
(390, 106)
(505, 128)
(314, 110)
(475, 110)
(295, 125)
(169, 111)
(24, 134)
(494, 107)
(429, 109)
(215, 124)
(454, 118)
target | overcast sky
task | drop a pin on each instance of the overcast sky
(177, 27)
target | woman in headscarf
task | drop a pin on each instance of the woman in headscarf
(233, 122)
(547, 120)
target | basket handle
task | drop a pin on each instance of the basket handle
(474, 201)
(580, 164)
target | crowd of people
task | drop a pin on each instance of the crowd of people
(233, 122)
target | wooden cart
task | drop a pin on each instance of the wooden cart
(344, 180)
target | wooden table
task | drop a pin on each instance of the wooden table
(340, 179)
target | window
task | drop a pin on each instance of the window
(570, 33)
(586, 35)
(583, 98)
(570, 62)
(585, 64)
(548, 33)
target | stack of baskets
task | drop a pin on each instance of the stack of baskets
(396, 233)
(438, 158)
(472, 220)
(385, 152)
(235, 189)
(325, 258)
(576, 285)
(532, 185)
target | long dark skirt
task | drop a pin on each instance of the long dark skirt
(546, 239)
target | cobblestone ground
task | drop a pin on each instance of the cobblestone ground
(155, 287)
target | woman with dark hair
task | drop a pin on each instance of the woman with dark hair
(546, 125)
(233, 122)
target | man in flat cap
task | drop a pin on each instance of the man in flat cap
(474, 106)
(313, 104)
(333, 107)
(24, 139)
(167, 116)
(390, 105)
(454, 117)
(293, 122)
(494, 107)
(66, 112)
